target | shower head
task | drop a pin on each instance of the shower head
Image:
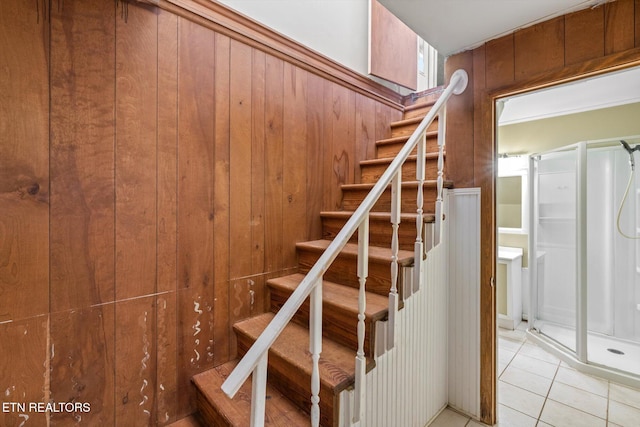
(630, 151)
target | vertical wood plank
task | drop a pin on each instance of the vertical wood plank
(166, 241)
(460, 133)
(315, 152)
(196, 62)
(258, 148)
(501, 56)
(539, 48)
(273, 163)
(637, 22)
(328, 203)
(342, 164)
(82, 153)
(584, 35)
(221, 219)
(294, 181)
(135, 383)
(619, 26)
(136, 152)
(23, 371)
(82, 364)
(24, 161)
(240, 106)
(365, 131)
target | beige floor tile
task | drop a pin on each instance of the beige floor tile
(623, 415)
(584, 382)
(474, 423)
(628, 396)
(557, 414)
(508, 417)
(519, 399)
(508, 344)
(538, 353)
(577, 398)
(535, 366)
(505, 356)
(526, 380)
(450, 418)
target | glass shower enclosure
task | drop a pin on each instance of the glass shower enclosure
(584, 247)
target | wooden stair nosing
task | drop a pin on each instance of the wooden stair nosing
(388, 160)
(218, 409)
(408, 184)
(403, 138)
(379, 216)
(409, 122)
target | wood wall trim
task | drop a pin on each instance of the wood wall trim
(224, 20)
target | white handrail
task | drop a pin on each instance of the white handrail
(261, 346)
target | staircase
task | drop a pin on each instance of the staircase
(290, 364)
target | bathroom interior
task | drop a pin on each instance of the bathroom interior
(568, 215)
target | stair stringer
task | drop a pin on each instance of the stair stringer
(409, 385)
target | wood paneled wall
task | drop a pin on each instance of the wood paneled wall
(153, 174)
(569, 47)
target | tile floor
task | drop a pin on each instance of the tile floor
(537, 389)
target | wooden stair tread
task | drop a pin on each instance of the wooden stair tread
(420, 104)
(337, 365)
(376, 253)
(402, 138)
(280, 411)
(407, 184)
(339, 296)
(378, 216)
(408, 122)
(388, 160)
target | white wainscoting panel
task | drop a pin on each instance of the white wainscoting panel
(463, 239)
(408, 386)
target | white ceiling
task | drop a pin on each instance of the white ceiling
(452, 26)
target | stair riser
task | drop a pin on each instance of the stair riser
(371, 173)
(407, 129)
(351, 199)
(337, 325)
(390, 150)
(344, 271)
(295, 383)
(380, 232)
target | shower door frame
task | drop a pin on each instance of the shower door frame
(580, 354)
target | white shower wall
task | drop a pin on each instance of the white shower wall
(613, 262)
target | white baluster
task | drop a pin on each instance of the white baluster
(440, 182)
(315, 348)
(396, 209)
(363, 272)
(418, 247)
(259, 392)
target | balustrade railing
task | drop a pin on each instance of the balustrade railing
(255, 360)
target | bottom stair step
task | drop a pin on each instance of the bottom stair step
(216, 409)
(290, 365)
